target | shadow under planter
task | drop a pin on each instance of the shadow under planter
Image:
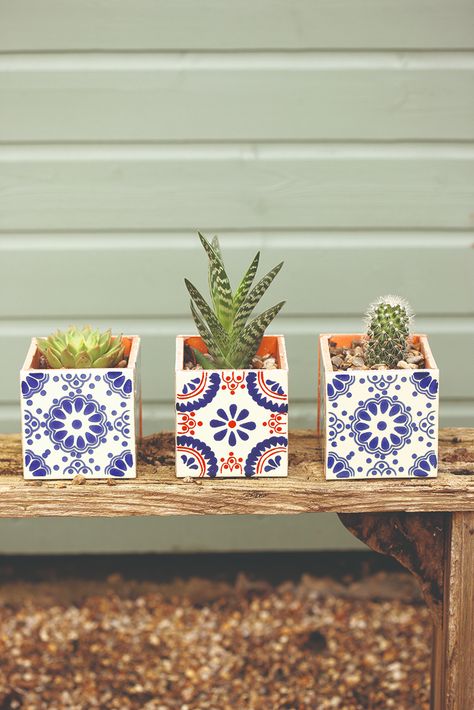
(232, 423)
(379, 423)
(80, 421)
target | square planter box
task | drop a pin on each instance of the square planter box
(232, 423)
(80, 420)
(379, 423)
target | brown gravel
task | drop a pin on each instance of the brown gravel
(353, 358)
(313, 643)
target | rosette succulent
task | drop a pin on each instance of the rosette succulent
(230, 337)
(388, 331)
(82, 348)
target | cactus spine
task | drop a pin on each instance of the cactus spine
(388, 331)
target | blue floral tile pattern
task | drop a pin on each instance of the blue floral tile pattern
(381, 424)
(79, 422)
(231, 423)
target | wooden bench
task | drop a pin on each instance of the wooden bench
(427, 525)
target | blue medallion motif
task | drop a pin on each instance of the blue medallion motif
(119, 382)
(266, 455)
(268, 393)
(428, 425)
(231, 424)
(31, 424)
(382, 425)
(122, 424)
(381, 382)
(335, 426)
(33, 382)
(339, 385)
(339, 466)
(425, 383)
(120, 464)
(198, 392)
(36, 465)
(76, 423)
(424, 465)
(75, 380)
(76, 467)
(197, 453)
(381, 468)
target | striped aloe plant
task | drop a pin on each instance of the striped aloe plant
(230, 337)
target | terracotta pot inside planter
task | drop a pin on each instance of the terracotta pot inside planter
(379, 423)
(80, 421)
(232, 423)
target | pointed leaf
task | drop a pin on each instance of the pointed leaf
(213, 324)
(214, 349)
(245, 284)
(219, 284)
(253, 298)
(249, 339)
(202, 360)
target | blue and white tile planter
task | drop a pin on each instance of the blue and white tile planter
(380, 423)
(80, 420)
(232, 423)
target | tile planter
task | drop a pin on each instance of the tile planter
(80, 420)
(232, 423)
(379, 423)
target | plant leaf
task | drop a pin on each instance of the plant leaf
(202, 360)
(215, 328)
(249, 339)
(252, 299)
(214, 349)
(245, 284)
(219, 285)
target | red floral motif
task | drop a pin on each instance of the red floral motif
(232, 381)
(231, 464)
(276, 424)
(187, 423)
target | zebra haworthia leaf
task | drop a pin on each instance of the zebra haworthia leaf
(230, 340)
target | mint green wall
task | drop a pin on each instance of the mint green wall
(335, 134)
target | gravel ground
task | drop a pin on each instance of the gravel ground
(194, 644)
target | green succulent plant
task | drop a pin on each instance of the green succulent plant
(388, 331)
(231, 339)
(82, 348)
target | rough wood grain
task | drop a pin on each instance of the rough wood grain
(416, 540)
(156, 491)
(457, 667)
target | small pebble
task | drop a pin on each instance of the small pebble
(79, 479)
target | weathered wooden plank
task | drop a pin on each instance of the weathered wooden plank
(384, 262)
(237, 187)
(296, 97)
(452, 678)
(158, 345)
(213, 24)
(458, 624)
(157, 492)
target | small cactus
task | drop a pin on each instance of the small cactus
(388, 331)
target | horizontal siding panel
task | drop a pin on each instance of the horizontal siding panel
(266, 24)
(160, 417)
(158, 347)
(184, 187)
(153, 266)
(202, 99)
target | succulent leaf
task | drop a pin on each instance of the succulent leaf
(219, 284)
(246, 283)
(231, 342)
(250, 337)
(82, 348)
(253, 298)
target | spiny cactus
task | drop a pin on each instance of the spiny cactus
(388, 330)
(231, 339)
(81, 348)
